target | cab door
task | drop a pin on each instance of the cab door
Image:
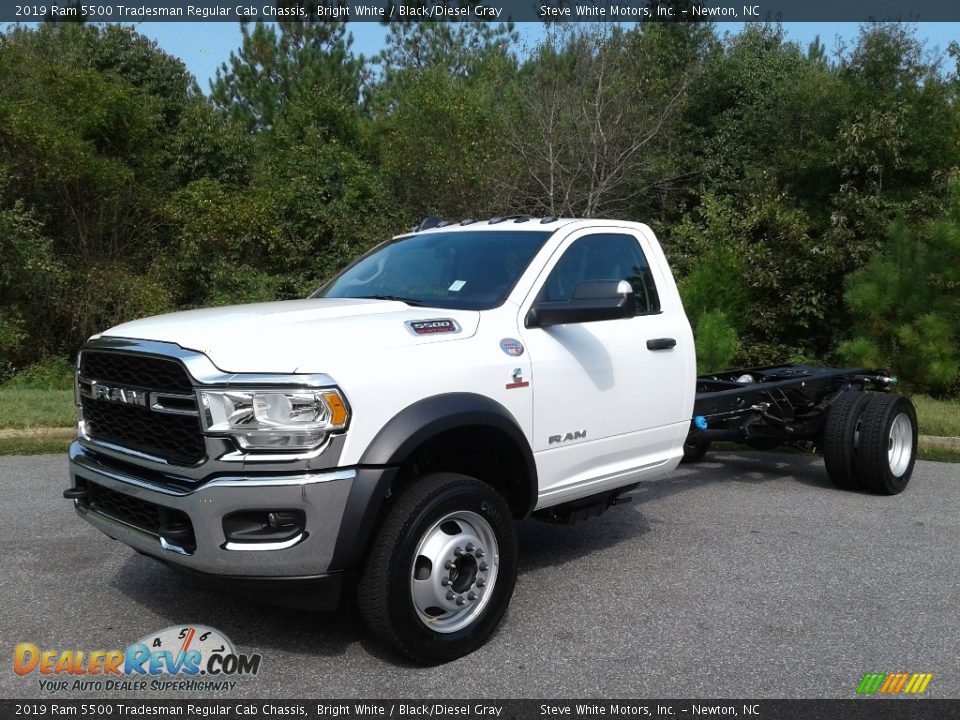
(611, 398)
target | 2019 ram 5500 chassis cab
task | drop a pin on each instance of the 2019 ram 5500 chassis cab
(391, 427)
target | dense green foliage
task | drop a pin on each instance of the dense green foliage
(906, 304)
(803, 195)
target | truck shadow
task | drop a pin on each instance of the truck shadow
(749, 466)
(176, 597)
(547, 544)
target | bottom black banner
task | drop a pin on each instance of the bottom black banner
(867, 709)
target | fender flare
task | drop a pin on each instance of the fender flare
(397, 440)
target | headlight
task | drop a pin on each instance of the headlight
(274, 419)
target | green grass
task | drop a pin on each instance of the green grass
(49, 374)
(33, 446)
(939, 455)
(27, 408)
(937, 417)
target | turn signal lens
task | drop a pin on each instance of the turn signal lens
(338, 409)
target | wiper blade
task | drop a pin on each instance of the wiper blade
(408, 301)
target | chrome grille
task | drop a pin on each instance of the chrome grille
(172, 436)
(136, 370)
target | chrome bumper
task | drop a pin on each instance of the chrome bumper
(322, 496)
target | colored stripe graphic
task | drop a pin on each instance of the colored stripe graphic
(871, 683)
(914, 682)
(894, 683)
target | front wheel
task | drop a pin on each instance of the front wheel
(441, 570)
(694, 450)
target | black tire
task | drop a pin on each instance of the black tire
(395, 567)
(694, 450)
(887, 450)
(840, 438)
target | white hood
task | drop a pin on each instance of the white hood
(296, 335)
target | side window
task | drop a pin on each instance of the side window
(604, 257)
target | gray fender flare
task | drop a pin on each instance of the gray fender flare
(396, 441)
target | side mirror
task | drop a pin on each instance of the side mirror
(592, 301)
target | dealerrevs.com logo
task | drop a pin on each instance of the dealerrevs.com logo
(188, 658)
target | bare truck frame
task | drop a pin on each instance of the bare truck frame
(869, 439)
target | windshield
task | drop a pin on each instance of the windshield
(462, 269)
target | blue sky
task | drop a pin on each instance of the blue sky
(204, 46)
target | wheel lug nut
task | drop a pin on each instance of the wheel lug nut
(444, 581)
(472, 596)
(483, 567)
(481, 582)
(470, 547)
(458, 552)
(450, 595)
(448, 565)
(460, 600)
(479, 553)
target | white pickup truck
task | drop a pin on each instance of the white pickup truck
(378, 440)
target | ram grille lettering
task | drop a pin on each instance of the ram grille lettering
(127, 396)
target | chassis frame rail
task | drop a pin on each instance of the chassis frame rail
(776, 404)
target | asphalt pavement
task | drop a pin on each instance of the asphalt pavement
(747, 575)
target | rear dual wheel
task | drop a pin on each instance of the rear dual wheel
(840, 435)
(870, 442)
(887, 445)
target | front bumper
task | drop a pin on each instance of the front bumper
(322, 496)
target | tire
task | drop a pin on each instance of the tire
(441, 570)
(840, 438)
(694, 450)
(887, 450)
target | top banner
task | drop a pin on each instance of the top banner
(492, 11)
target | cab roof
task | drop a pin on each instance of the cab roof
(511, 223)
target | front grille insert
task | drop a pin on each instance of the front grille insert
(142, 514)
(136, 370)
(173, 437)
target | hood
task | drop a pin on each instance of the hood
(299, 335)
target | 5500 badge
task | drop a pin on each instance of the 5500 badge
(180, 651)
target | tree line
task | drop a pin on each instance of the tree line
(809, 200)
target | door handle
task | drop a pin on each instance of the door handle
(661, 344)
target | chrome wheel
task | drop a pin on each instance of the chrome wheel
(454, 571)
(900, 445)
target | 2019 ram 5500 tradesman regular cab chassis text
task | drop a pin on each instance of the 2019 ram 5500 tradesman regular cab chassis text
(384, 434)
